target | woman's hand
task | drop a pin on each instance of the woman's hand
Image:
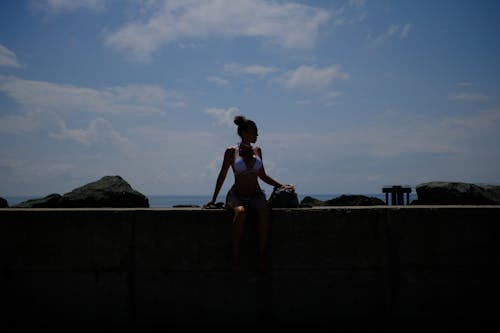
(208, 204)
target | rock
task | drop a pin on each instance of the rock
(50, 201)
(3, 203)
(109, 191)
(457, 193)
(343, 200)
(493, 192)
(354, 200)
(310, 202)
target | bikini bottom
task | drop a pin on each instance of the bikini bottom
(257, 201)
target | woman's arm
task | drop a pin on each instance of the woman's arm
(228, 156)
(262, 173)
(265, 178)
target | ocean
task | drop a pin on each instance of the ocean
(169, 201)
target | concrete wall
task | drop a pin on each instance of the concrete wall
(172, 266)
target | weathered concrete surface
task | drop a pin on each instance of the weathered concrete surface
(171, 266)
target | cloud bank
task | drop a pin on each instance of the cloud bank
(289, 25)
(311, 77)
(129, 99)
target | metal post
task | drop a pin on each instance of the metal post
(397, 193)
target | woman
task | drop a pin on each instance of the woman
(246, 162)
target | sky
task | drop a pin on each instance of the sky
(348, 96)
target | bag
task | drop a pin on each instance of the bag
(283, 198)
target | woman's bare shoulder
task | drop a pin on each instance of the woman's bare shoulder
(231, 148)
(230, 151)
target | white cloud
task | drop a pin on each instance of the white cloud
(46, 107)
(476, 124)
(217, 80)
(333, 95)
(331, 98)
(289, 25)
(405, 30)
(326, 99)
(258, 70)
(50, 124)
(311, 77)
(223, 116)
(468, 97)
(131, 99)
(31, 122)
(394, 30)
(8, 58)
(59, 6)
(99, 131)
(351, 12)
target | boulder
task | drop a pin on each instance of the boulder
(354, 200)
(343, 200)
(493, 192)
(50, 201)
(3, 203)
(310, 202)
(109, 191)
(457, 193)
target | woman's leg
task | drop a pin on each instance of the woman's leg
(263, 229)
(238, 225)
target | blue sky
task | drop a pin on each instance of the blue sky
(348, 96)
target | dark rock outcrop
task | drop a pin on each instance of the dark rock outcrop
(3, 203)
(50, 201)
(354, 200)
(310, 202)
(343, 200)
(457, 193)
(109, 191)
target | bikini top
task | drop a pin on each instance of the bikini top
(239, 165)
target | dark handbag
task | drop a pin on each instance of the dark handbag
(283, 197)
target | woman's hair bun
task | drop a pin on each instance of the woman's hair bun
(239, 120)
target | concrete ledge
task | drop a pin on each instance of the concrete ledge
(171, 266)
